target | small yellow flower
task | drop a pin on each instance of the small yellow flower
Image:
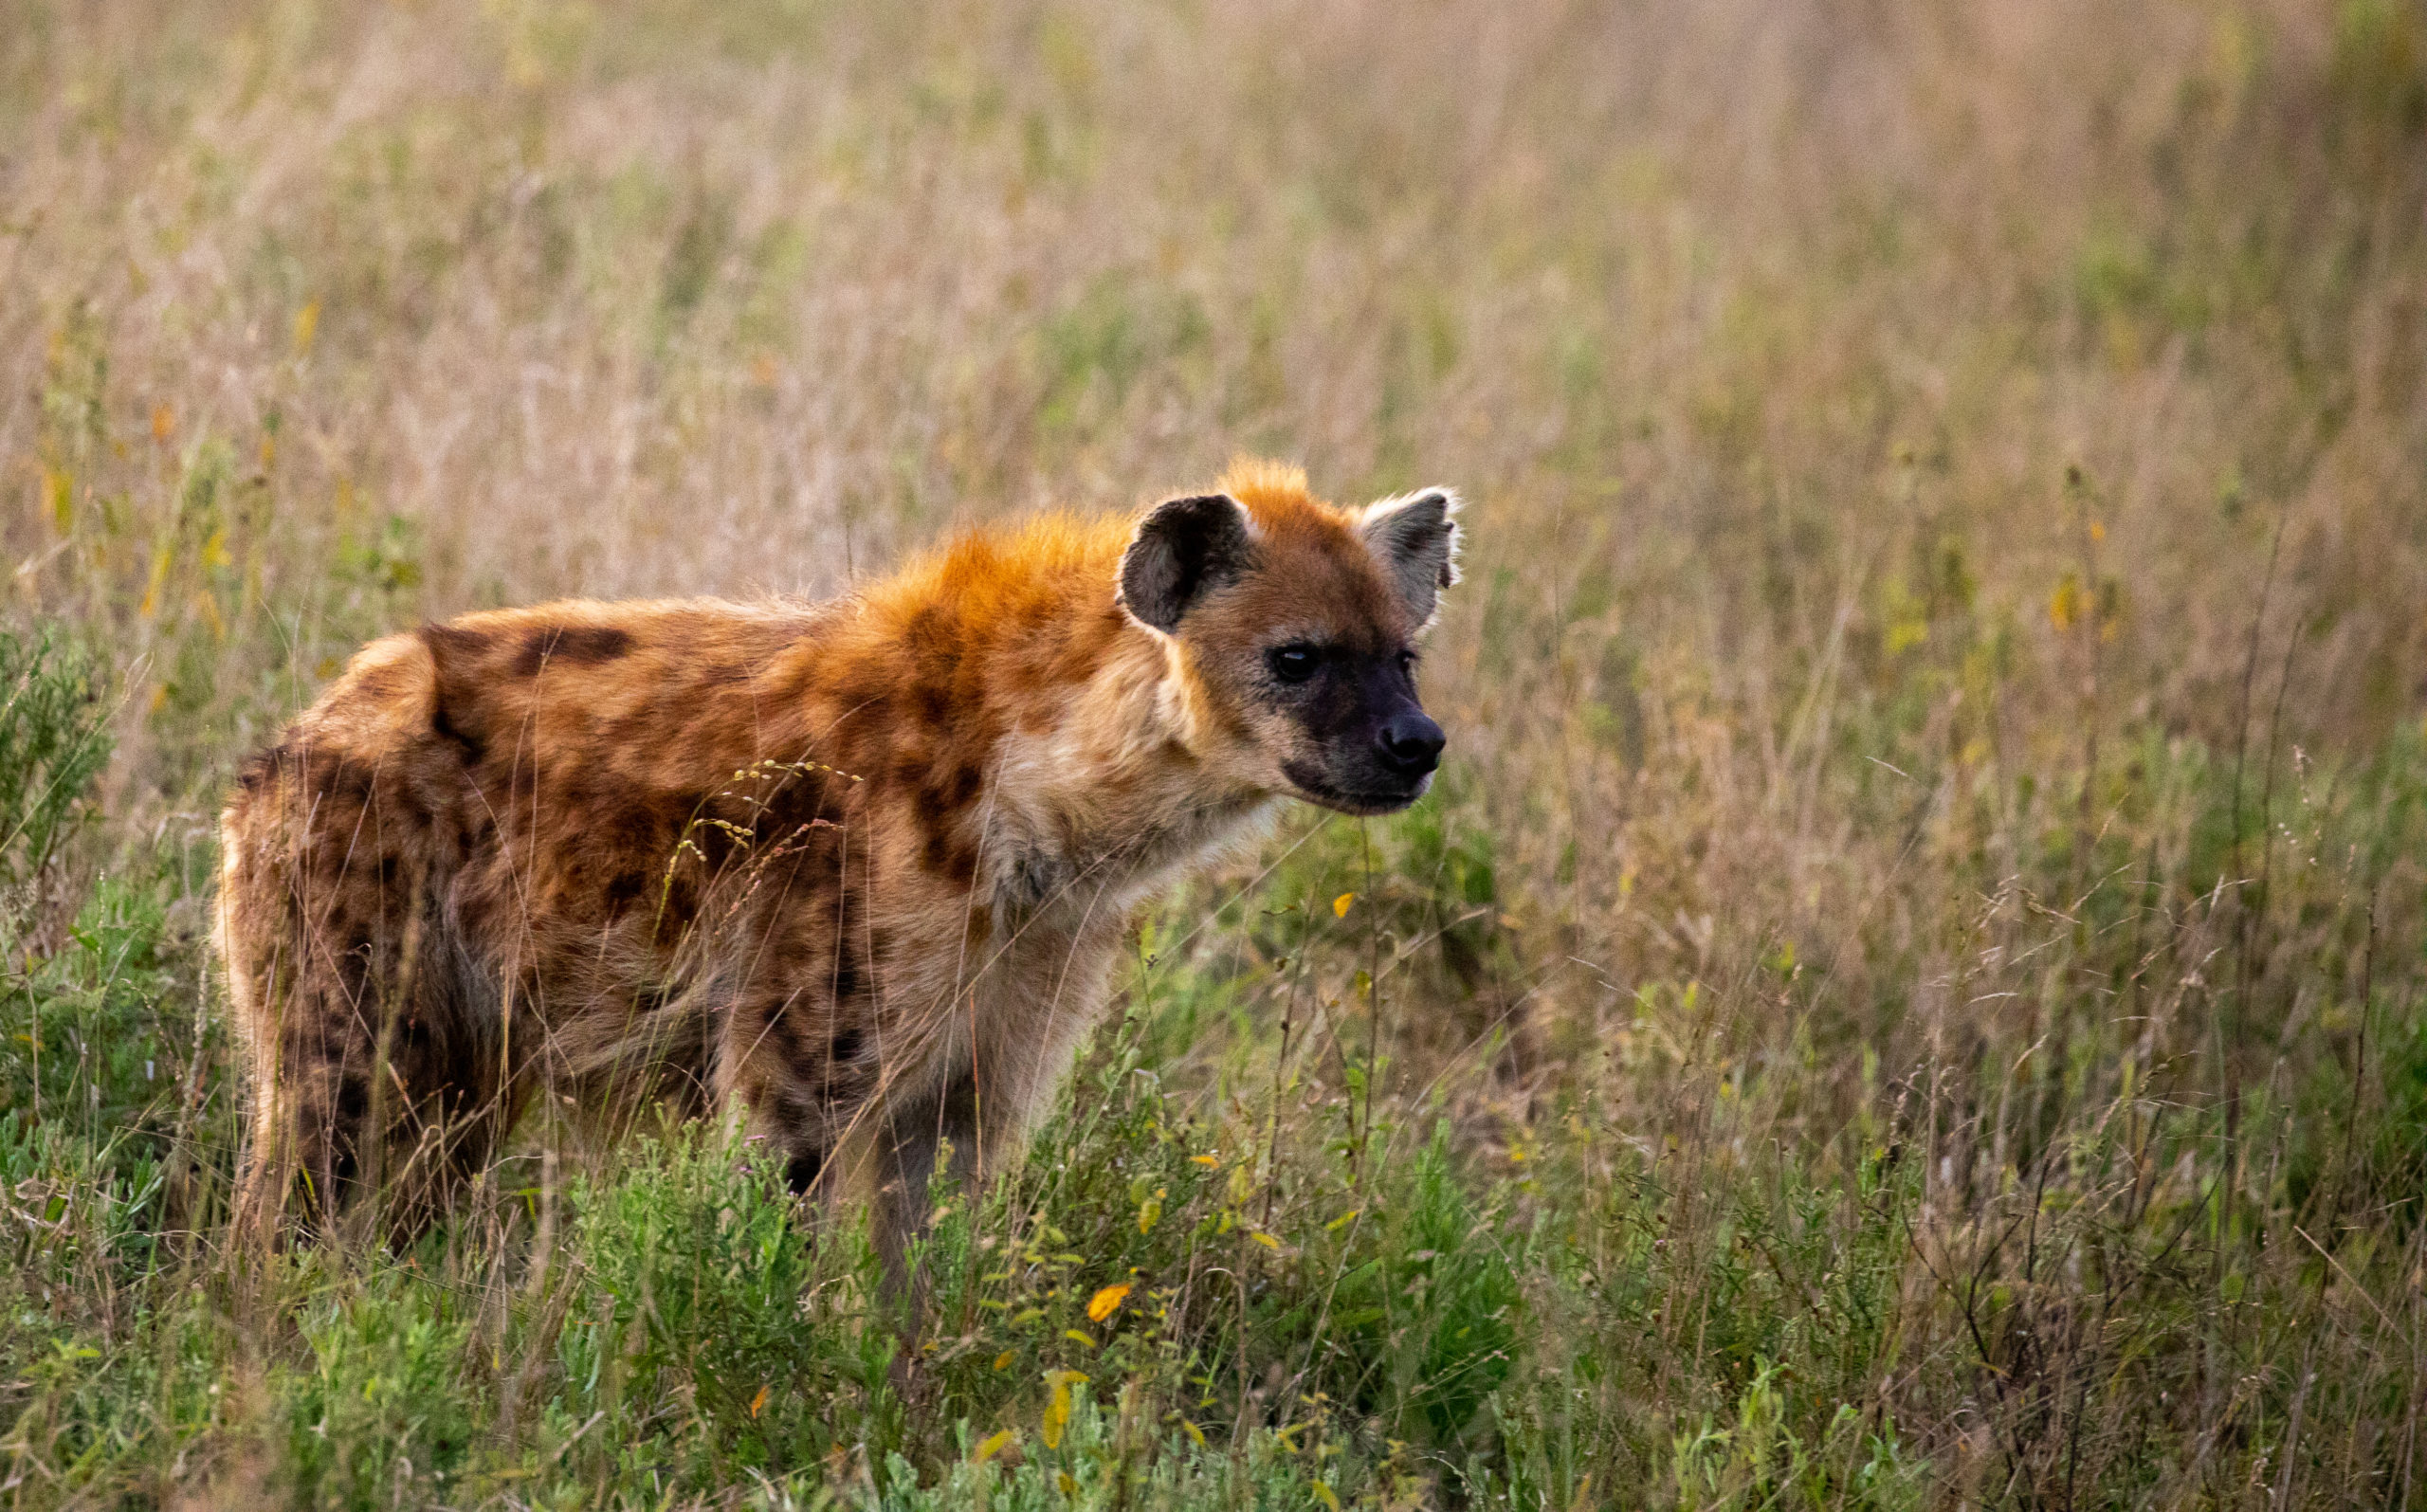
(1057, 1410)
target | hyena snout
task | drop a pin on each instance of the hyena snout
(1409, 744)
(1384, 760)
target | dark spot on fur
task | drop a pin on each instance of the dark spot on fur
(846, 973)
(573, 645)
(909, 767)
(861, 688)
(846, 1045)
(445, 727)
(622, 890)
(949, 858)
(939, 798)
(593, 642)
(931, 704)
(654, 820)
(349, 781)
(802, 1170)
(935, 644)
(864, 720)
(812, 801)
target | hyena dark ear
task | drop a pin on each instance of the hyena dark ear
(1417, 542)
(1182, 548)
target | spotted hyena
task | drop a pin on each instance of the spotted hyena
(859, 868)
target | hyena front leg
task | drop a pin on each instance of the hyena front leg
(908, 1139)
(969, 1127)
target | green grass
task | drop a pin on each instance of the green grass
(1413, 1295)
(1911, 991)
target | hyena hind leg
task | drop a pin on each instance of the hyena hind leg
(368, 1110)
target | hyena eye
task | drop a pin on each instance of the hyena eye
(1294, 662)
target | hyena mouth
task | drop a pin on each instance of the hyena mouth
(1313, 786)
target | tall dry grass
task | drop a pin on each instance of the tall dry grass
(1936, 709)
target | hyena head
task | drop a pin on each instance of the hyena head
(1294, 625)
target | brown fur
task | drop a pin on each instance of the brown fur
(861, 868)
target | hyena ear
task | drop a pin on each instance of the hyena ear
(1182, 548)
(1417, 539)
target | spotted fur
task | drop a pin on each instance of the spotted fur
(860, 868)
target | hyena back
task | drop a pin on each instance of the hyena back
(859, 869)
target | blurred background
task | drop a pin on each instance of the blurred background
(1915, 965)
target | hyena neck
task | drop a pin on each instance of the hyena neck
(1115, 796)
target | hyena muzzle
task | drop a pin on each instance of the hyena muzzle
(858, 870)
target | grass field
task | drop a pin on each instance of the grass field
(1909, 995)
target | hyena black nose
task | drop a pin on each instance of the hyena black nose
(1411, 742)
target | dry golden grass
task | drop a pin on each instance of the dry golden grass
(1936, 709)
